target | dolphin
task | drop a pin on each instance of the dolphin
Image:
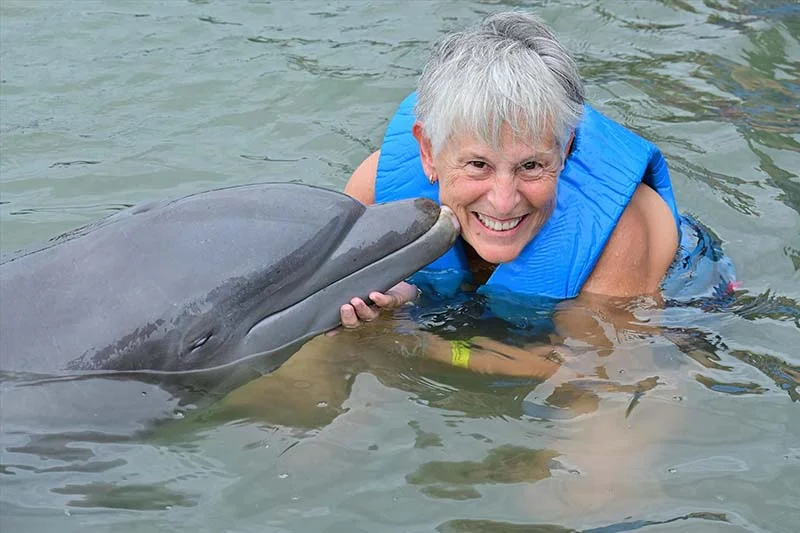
(214, 288)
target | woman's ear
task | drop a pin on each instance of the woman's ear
(425, 148)
(569, 145)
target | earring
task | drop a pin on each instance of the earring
(431, 179)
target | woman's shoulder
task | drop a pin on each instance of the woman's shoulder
(361, 184)
(640, 249)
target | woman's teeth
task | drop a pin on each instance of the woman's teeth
(497, 225)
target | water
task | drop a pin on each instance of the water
(697, 428)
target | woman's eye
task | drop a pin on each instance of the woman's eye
(478, 164)
(531, 170)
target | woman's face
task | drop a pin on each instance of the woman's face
(502, 197)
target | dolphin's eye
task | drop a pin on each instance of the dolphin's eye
(200, 341)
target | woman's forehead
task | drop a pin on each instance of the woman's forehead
(509, 139)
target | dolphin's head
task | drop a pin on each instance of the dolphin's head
(207, 281)
(204, 293)
(305, 251)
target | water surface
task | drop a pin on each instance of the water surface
(104, 104)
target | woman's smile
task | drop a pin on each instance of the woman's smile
(499, 225)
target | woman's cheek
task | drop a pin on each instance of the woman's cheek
(542, 193)
(454, 191)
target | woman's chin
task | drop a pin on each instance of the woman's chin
(498, 254)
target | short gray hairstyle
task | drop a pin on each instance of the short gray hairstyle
(510, 69)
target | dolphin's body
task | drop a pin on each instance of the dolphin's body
(207, 291)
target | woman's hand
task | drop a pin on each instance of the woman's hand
(356, 312)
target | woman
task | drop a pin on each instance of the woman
(553, 199)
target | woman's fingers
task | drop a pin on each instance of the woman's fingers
(357, 311)
(400, 294)
(365, 312)
(347, 315)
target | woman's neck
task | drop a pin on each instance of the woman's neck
(479, 267)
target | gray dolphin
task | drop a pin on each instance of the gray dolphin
(216, 287)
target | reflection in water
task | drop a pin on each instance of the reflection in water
(133, 496)
(730, 387)
(504, 464)
(87, 467)
(705, 347)
(767, 305)
(785, 376)
(61, 446)
(425, 439)
(696, 345)
(488, 526)
(582, 396)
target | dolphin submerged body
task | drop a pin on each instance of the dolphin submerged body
(205, 292)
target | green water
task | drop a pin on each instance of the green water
(107, 103)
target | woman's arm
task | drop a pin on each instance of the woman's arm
(488, 356)
(361, 184)
(640, 250)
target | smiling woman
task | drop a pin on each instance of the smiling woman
(502, 196)
(554, 199)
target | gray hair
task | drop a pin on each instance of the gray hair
(510, 69)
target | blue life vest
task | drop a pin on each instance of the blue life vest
(606, 164)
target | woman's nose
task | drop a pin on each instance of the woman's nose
(504, 195)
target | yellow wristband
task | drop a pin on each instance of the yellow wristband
(460, 351)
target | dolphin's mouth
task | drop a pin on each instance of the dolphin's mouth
(447, 213)
(319, 312)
